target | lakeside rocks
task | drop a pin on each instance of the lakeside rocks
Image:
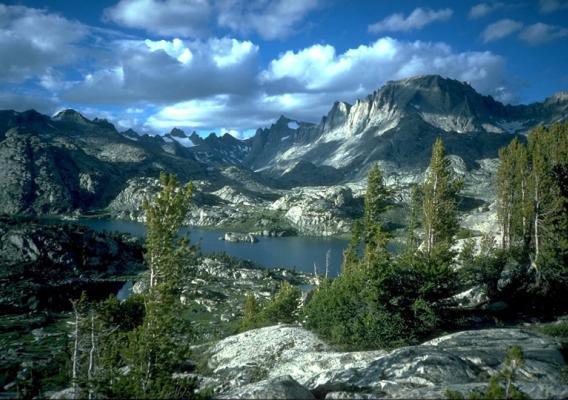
(236, 237)
(461, 361)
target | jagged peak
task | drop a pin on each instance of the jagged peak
(130, 132)
(282, 120)
(558, 97)
(71, 116)
(176, 132)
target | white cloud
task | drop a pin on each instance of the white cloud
(170, 71)
(175, 49)
(418, 19)
(33, 41)
(482, 9)
(186, 18)
(304, 84)
(500, 29)
(549, 6)
(361, 70)
(271, 19)
(540, 33)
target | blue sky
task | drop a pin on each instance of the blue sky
(236, 65)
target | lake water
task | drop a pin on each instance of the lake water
(294, 252)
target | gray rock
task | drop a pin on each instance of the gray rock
(462, 361)
(283, 387)
(250, 356)
(321, 211)
(236, 237)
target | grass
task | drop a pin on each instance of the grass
(558, 329)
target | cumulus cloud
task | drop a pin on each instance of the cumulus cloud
(166, 71)
(271, 19)
(34, 41)
(418, 19)
(274, 19)
(540, 33)
(363, 69)
(482, 9)
(304, 84)
(549, 6)
(500, 29)
(186, 18)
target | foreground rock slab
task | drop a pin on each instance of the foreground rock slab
(283, 387)
(462, 361)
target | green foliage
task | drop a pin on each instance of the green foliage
(143, 340)
(375, 201)
(440, 205)
(282, 307)
(379, 296)
(125, 316)
(351, 256)
(252, 317)
(559, 329)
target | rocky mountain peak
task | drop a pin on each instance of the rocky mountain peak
(70, 115)
(435, 94)
(176, 132)
(337, 115)
(560, 97)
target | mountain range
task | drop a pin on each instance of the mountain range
(66, 163)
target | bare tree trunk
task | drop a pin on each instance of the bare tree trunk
(536, 218)
(327, 256)
(90, 373)
(75, 360)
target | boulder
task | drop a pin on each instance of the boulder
(250, 356)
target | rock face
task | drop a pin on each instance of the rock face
(66, 163)
(319, 210)
(461, 361)
(45, 265)
(283, 387)
(398, 124)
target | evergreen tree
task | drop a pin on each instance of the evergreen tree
(351, 254)
(440, 189)
(161, 343)
(413, 215)
(375, 202)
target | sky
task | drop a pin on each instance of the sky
(237, 65)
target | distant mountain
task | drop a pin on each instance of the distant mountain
(68, 162)
(397, 126)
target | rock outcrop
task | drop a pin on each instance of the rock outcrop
(462, 361)
(322, 211)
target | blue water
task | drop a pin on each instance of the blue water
(294, 252)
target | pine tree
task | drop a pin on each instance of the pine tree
(439, 205)
(161, 343)
(375, 201)
(413, 215)
(351, 254)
